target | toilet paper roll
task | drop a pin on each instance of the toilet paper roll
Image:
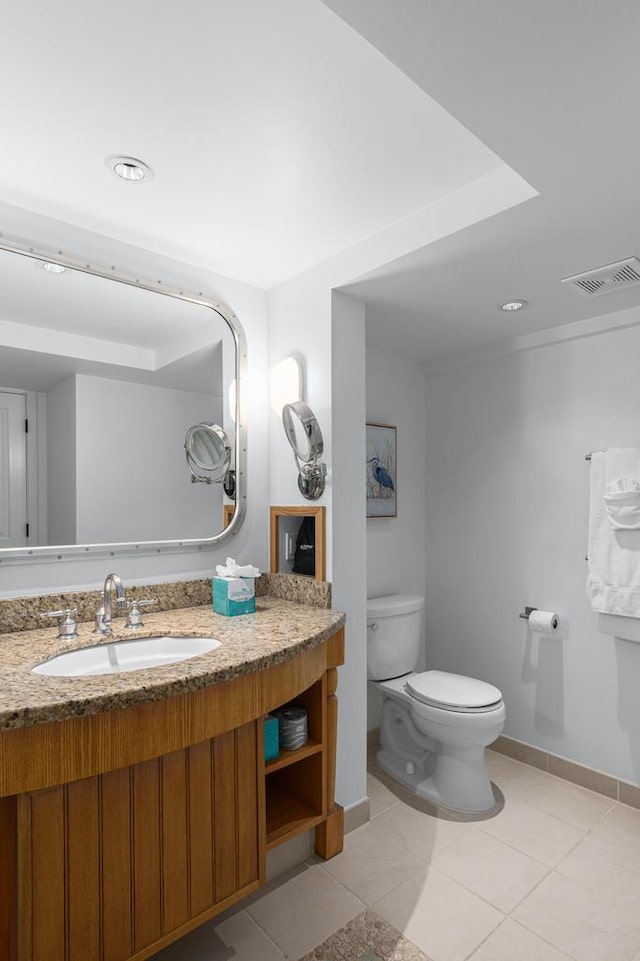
(293, 727)
(543, 622)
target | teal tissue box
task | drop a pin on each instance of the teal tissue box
(234, 595)
(271, 738)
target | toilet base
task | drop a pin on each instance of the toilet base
(431, 780)
(452, 775)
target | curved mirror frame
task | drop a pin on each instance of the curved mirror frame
(71, 551)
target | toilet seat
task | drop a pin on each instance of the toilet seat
(453, 692)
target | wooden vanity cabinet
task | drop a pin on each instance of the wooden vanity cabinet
(115, 848)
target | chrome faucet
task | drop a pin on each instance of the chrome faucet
(105, 611)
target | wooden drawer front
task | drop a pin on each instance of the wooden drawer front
(112, 864)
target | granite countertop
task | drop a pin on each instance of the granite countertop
(278, 630)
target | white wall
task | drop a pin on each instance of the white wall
(133, 480)
(507, 508)
(396, 546)
(61, 463)
(349, 537)
(328, 332)
(249, 304)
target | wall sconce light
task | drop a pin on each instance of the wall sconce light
(287, 382)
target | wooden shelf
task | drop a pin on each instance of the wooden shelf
(287, 816)
(290, 757)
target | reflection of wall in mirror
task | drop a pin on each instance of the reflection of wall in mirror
(61, 463)
(131, 479)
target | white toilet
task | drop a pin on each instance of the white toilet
(434, 726)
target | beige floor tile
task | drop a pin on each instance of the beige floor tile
(304, 911)
(620, 826)
(374, 860)
(536, 833)
(493, 870)
(512, 942)
(421, 833)
(238, 938)
(512, 777)
(573, 804)
(380, 797)
(439, 916)
(585, 924)
(612, 869)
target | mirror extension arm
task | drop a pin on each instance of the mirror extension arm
(300, 422)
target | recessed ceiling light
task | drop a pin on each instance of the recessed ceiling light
(50, 267)
(128, 168)
(513, 305)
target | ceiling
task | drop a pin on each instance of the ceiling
(56, 325)
(283, 134)
(552, 88)
(277, 135)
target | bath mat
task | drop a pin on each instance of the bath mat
(366, 938)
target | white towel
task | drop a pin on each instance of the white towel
(613, 585)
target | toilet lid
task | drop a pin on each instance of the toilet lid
(453, 692)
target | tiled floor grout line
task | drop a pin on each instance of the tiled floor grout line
(268, 936)
(535, 886)
(469, 956)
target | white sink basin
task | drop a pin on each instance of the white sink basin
(120, 656)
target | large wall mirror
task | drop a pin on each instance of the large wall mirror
(102, 376)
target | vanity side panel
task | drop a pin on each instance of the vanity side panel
(8, 878)
(247, 804)
(117, 902)
(200, 827)
(46, 870)
(225, 859)
(175, 865)
(82, 843)
(147, 887)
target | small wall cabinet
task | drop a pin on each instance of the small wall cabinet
(284, 525)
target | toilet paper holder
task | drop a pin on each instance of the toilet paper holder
(527, 612)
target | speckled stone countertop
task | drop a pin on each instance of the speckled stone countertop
(278, 630)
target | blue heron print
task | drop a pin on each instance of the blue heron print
(381, 470)
(381, 474)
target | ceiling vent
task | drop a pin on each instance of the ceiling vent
(605, 280)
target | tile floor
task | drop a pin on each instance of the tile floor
(554, 875)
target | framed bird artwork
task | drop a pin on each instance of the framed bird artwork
(381, 471)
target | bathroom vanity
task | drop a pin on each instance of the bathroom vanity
(135, 806)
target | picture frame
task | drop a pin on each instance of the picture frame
(381, 471)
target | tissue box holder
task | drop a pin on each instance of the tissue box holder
(234, 595)
(271, 737)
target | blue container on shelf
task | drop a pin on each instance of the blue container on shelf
(271, 737)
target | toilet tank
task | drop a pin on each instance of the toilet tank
(394, 630)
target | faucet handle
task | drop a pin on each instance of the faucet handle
(134, 617)
(67, 623)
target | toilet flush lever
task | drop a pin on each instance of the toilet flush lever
(374, 627)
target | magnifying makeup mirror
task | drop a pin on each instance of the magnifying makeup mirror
(207, 449)
(305, 437)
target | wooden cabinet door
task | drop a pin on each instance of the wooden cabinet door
(114, 864)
